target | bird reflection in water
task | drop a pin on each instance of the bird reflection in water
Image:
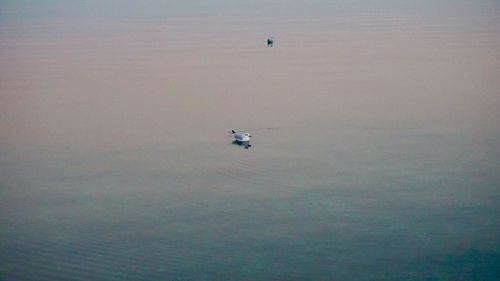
(244, 144)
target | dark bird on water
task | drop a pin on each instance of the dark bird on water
(270, 41)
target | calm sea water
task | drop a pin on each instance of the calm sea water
(375, 141)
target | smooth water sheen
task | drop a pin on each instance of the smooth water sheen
(375, 148)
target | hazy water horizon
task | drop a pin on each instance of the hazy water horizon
(374, 153)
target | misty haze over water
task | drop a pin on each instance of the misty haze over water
(374, 152)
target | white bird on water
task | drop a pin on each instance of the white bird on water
(241, 138)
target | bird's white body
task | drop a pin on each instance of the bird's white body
(241, 137)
